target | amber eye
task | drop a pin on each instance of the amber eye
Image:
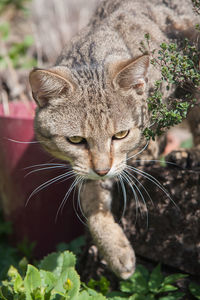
(121, 134)
(76, 139)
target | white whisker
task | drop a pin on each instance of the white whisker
(157, 160)
(76, 181)
(152, 179)
(47, 183)
(130, 181)
(47, 168)
(21, 142)
(131, 175)
(139, 151)
(45, 164)
(124, 195)
(79, 204)
(135, 196)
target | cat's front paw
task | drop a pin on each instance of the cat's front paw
(123, 262)
(186, 158)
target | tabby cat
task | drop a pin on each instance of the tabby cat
(92, 107)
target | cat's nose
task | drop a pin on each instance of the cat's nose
(102, 172)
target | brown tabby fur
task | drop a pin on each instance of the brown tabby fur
(97, 88)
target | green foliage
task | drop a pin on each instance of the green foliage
(195, 290)
(15, 55)
(55, 278)
(102, 285)
(26, 248)
(8, 254)
(18, 4)
(149, 286)
(180, 69)
(74, 246)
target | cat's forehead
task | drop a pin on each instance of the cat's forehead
(96, 113)
(92, 114)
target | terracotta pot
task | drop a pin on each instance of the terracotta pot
(35, 221)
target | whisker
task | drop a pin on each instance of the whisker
(168, 163)
(79, 203)
(157, 160)
(26, 142)
(124, 195)
(77, 179)
(136, 198)
(42, 169)
(21, 142)
(74, 207)
(47, 183)
(139, 151)
(129, 180)
(135, 178)
(45, 164)
(154, 180)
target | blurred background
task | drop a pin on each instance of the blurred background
(32, 33)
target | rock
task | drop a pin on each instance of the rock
(171, 232)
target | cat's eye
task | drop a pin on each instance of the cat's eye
(76, 139)
(120, 135)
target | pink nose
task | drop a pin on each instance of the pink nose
(102, 172)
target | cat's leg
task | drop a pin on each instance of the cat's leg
(106, 233)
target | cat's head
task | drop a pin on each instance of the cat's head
(91, 118)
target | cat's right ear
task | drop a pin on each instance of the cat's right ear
(51, 83)
(131, 74)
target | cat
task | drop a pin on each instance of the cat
(92, 106)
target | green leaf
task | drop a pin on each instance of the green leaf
(86, 296)
(1, 295)
(195, 289)
(174, 296)
(137, 283)
(173, 278)
(155, 280)
(143, 271)
(32, 280)
(102, 285)
(137, 297)
(68, 283)
(58, 262)
(13, 273)
(114, 294)
(74, 246)
(48, 280)
(18, 284)
(83, 296)
(117, 298)
(150, 297)
(167, 288)
(23, 264)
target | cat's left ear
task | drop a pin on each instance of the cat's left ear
(132, 74)
(50, 83)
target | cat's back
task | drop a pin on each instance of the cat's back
(123, 24)
(157, 10)
(117, 29)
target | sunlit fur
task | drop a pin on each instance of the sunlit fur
(97, 88)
